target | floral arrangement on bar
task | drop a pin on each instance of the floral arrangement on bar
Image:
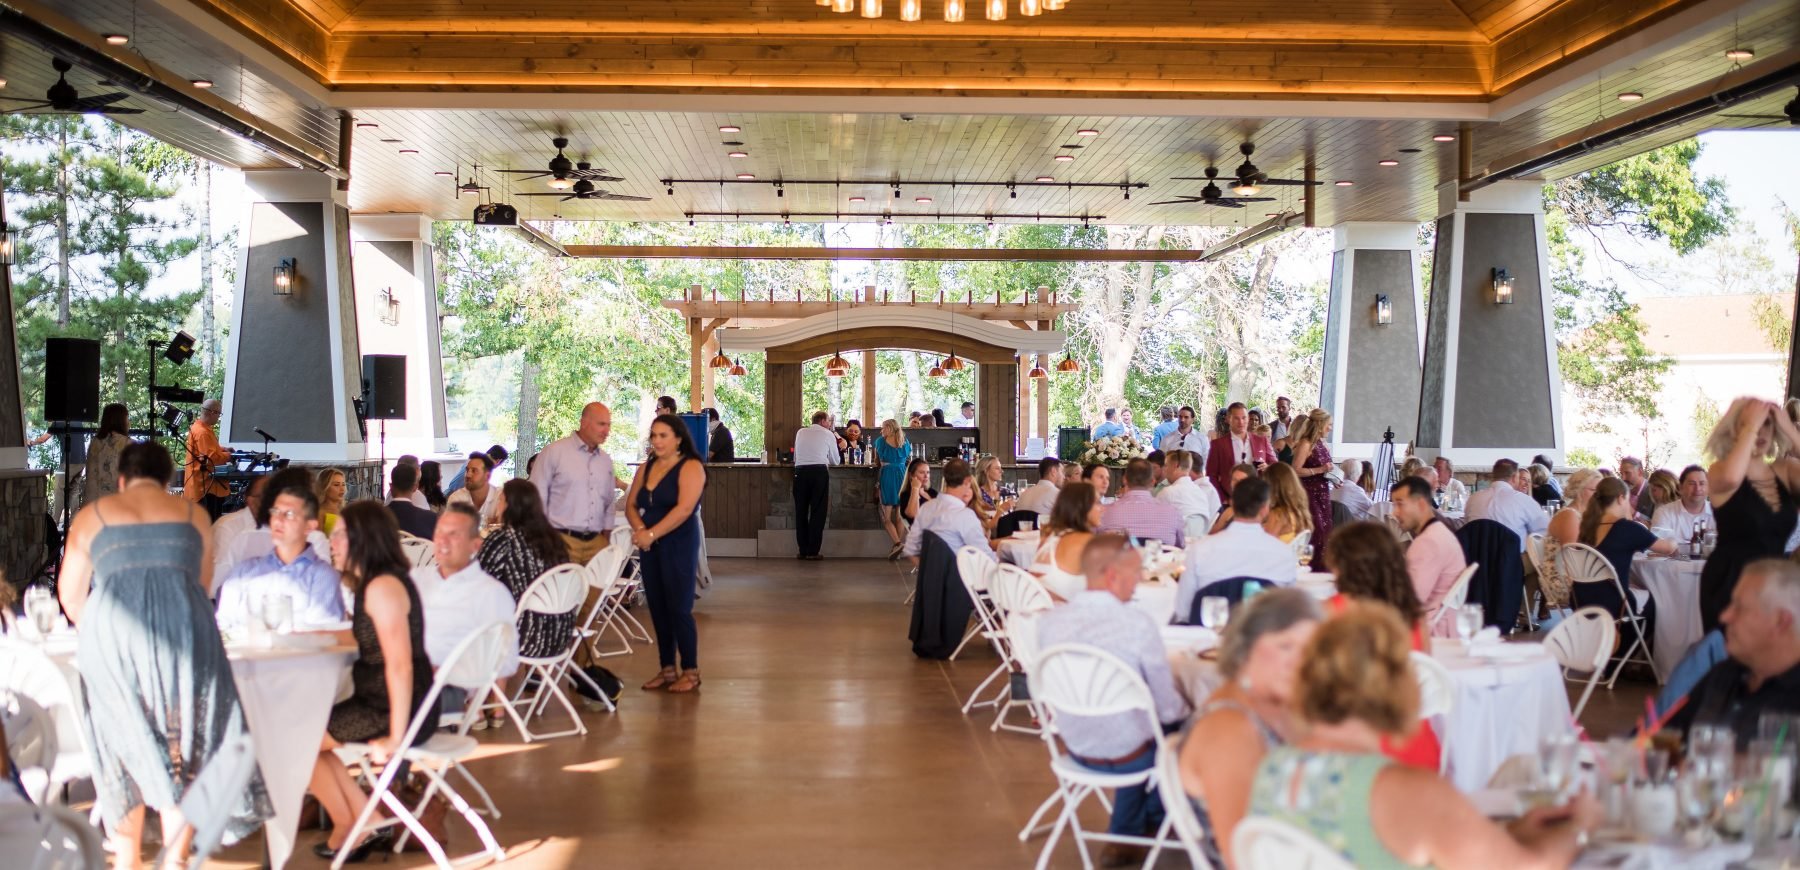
(1113, 450)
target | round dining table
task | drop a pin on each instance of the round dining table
(1674, 583)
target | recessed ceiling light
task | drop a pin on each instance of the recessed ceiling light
(442, 174)
(366, 125)
(1409, 151)
(116, 38)
(1443, 137)
(738, 154)
(1087, 132)
(1740, 53)
(1064, 158)
(1630, 96)
(1389, 163)
(1045, 178)
(745, 176)
(1271, 214)
(730, 128)
(202, 84)
(1344, 183)
(409, 151)
(923, 200)
(858, 199)
(391, 141)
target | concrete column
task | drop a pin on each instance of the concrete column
(397, 313)
(1371, 373)
(294, 363)
(1491, 387)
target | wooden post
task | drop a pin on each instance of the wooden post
(709, 396)
(1043, 386)
(871, 412)
(1022, 410)
(696, 364)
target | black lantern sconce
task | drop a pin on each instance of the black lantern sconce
(1503, 287)
(286, 276)
(1384, 309)
(389, 310)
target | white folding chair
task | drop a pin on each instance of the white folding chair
(559, 591)
(1179, 817)
(973, 568)
(605, 575)
(1437, 689)
(1195, 527)
(1584, 564)
(1263, 843)
(214, 793)
(65, 840)
(1582, 643)
(30, 741)
(1458, 594)
(1015, 594)
(1081, 680)
(631, 583)
(1301, 541)
(25, 670)
(418, 550)
(472, 665)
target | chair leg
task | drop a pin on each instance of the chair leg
(970, 704)
(969, 635)
(1070, 798)
(1586, 693)
(1162, 836)
(1031, 826)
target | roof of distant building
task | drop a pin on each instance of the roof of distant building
(1725, 324)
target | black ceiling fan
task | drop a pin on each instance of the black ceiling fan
(1248, 174)
(62, 98)
(1790, 116)
(1212, 195)
(585, 189)
(561, 169)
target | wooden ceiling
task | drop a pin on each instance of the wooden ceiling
(1172, 86)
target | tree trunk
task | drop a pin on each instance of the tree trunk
(208, 326)
(528, 413)
(914, 396)
(63, 194)
(118, 204)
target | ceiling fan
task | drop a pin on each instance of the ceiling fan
(1249, 178)
(561, 171)
(1791, 114)
(63, 99)
(585, 189)
(1212, 195)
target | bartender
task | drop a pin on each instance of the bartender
(852, 437)
(967, 418)
(815, 451)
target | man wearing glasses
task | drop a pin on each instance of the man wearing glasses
(295, 569)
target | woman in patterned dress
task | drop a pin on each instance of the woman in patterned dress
(102, 476)
(516, 554)
(1312, 461)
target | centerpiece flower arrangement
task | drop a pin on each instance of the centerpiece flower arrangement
(1113, 450)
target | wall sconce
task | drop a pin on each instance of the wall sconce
(285, 276)
(1503, 287)
(9, 244)
(389, 306)
(1384, 309)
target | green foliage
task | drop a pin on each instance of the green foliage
(1581, 457)
(1774, 322)
(1653, 195)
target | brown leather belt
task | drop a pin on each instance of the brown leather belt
(1148, 747)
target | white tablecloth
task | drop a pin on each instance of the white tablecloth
(1016, 551)
(1503, 707)
(1675, 585)
(287, 696)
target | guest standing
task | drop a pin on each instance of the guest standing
(478, 490)
(1238, 446)
(663, 509)
(1312, 461)
(102, 476)
(391, 674)
(204, 452)
(720, 447)
(1752, 486)
(891, 452)
(517, 554)
(332, 488)
(160, 695)
(1284, 419)
(1186, 437)
(815, 451)
(575, 478)
(1110, 427)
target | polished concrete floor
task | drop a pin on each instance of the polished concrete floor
(817, 739)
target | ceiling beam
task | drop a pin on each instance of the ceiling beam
(991, 255)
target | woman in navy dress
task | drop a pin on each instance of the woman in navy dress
(663, 509)
(1607, 526)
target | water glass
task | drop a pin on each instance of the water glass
(278, 612)
(1029, 525)
(41, 608)
(1559, 760)
(1215, 612)
(1469, 619)
(1306, 555)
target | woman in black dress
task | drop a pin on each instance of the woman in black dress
(663, 508)
(391, 674)
(1752, 488)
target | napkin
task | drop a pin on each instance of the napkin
(1499, 649)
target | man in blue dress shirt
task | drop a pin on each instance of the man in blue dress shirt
(294, 569)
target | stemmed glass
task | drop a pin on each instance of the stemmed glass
(1468, 623)
(1215, 612)
(1306, 555)
(1559, 759)
(41, 608)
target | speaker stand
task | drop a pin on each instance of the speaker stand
(382, 485)
(68, 482)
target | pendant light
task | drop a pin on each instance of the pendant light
(1068, 364)
(937, 371)
(720, 361)
(837, 366)
(953, 363)
(1037, 373)
(737, 369)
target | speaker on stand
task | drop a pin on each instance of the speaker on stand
(383, 397)
(71, 395)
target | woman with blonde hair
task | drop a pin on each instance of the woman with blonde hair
(331, 488)
(989, 504)
(1356, 686)
(1565, 529)
(1312, 462)
(1289, 513)
(1752, 485)
(891, 453)
(1663, 488)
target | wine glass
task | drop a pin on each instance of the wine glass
(1215, 612)
(1306, 555)
(41, 609)
(1558, 760)
(1468, 622)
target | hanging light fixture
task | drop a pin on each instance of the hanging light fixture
(9, 244)
(737, 370)
(912, 10)
(837, 366)
(996, 10)
(953, 11)
(720, 361)
(937, 371)
(1037, 373)
(1068, 364)
(953, 363)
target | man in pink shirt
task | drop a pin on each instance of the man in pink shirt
(1435, 557)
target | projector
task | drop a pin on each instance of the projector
(496, 214)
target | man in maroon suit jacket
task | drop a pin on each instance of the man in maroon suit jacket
(1236, 446)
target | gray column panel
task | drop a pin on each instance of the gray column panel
(1437, 336)
(283, 351)
(347, 333)
(1383, 361)
(1502, 372)
(1328, 374)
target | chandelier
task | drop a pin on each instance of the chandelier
(954, 10)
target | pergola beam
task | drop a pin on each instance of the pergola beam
(1001, 255)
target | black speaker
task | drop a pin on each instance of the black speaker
(384, 386)
(72, 380)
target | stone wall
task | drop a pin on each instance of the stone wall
(24, 500)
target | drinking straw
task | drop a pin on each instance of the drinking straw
(1655, 723)
(1768, 777)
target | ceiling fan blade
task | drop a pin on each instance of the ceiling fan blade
(615, 197)
(28, 107)
(528, 173)
(1236, 199)
(1191, 178)
(557, 193)
(593, 175)
(87, 104)
(1181, 201)
(1758, 117)
(1224, 203)
(1288, 182)
(117, 110)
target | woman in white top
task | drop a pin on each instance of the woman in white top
(1072, 523)
(102, 476)
(478, 491)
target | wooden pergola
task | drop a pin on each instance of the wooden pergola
(1003, 339)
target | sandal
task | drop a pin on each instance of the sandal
(687, 683)
(662, 679)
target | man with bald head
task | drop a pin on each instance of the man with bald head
(575, 478)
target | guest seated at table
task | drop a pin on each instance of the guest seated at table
(1239, 474)
(1156, 459)
(1290, 513)
(1505, 504)
(1607, 526)
(332, 487)
(1368, 566)
(1073, 520)
(391, 674)
(403, 484)
(1541, 490)
(1123, 742)
(1449, 489)
(1350, 492)
(989, 504)
(431, 485)
(1040, 497)
(1356, 686)
(1762, 640)
(293, 569)
(1565, 527)
(257, 541)
(1190, 494)
(459, 597)
(949, 517)
(1101, 478)
(1662, 489)
(516, 554)
(1250, 713)
(1243, 549)
(1138, 514)
(1434, 559)
(227, 528)
(915, 492)
(1690, 510)
(478, 490)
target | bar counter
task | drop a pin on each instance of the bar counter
(748, 509)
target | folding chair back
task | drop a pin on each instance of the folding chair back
(1534, 550)
(620, 537)
(974, 567)
(1301, 541)
(1582, 643)
(65, 840)
(1263, 843)
(1076, 679)
(1019, 592)
(30, 741)
(1186, 823)
(1437, 689)
(26, 671)
(210, 799)
(1584, 564)
(1458, 594)
(606, 568)
(558, 590)
(418, 550)
(472, 665)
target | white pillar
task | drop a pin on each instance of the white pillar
(1370, 381)
(397, 313)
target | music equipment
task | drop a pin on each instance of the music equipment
(496, 214)
(177, 395)
(264, 435)
(72, 380)
(384, 386)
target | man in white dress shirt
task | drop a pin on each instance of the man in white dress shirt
(1683, 514)
(1193, 496)
(458, 597)
(1507, 506)
(1040, 497)
(1349, 493)
(965, 419)
(1241, 549)
(1449, 489)
(948, 516)
(815, 451)
(477, 490)
(1186, 437)
(575, 478)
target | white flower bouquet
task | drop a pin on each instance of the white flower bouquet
(1113, 450)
